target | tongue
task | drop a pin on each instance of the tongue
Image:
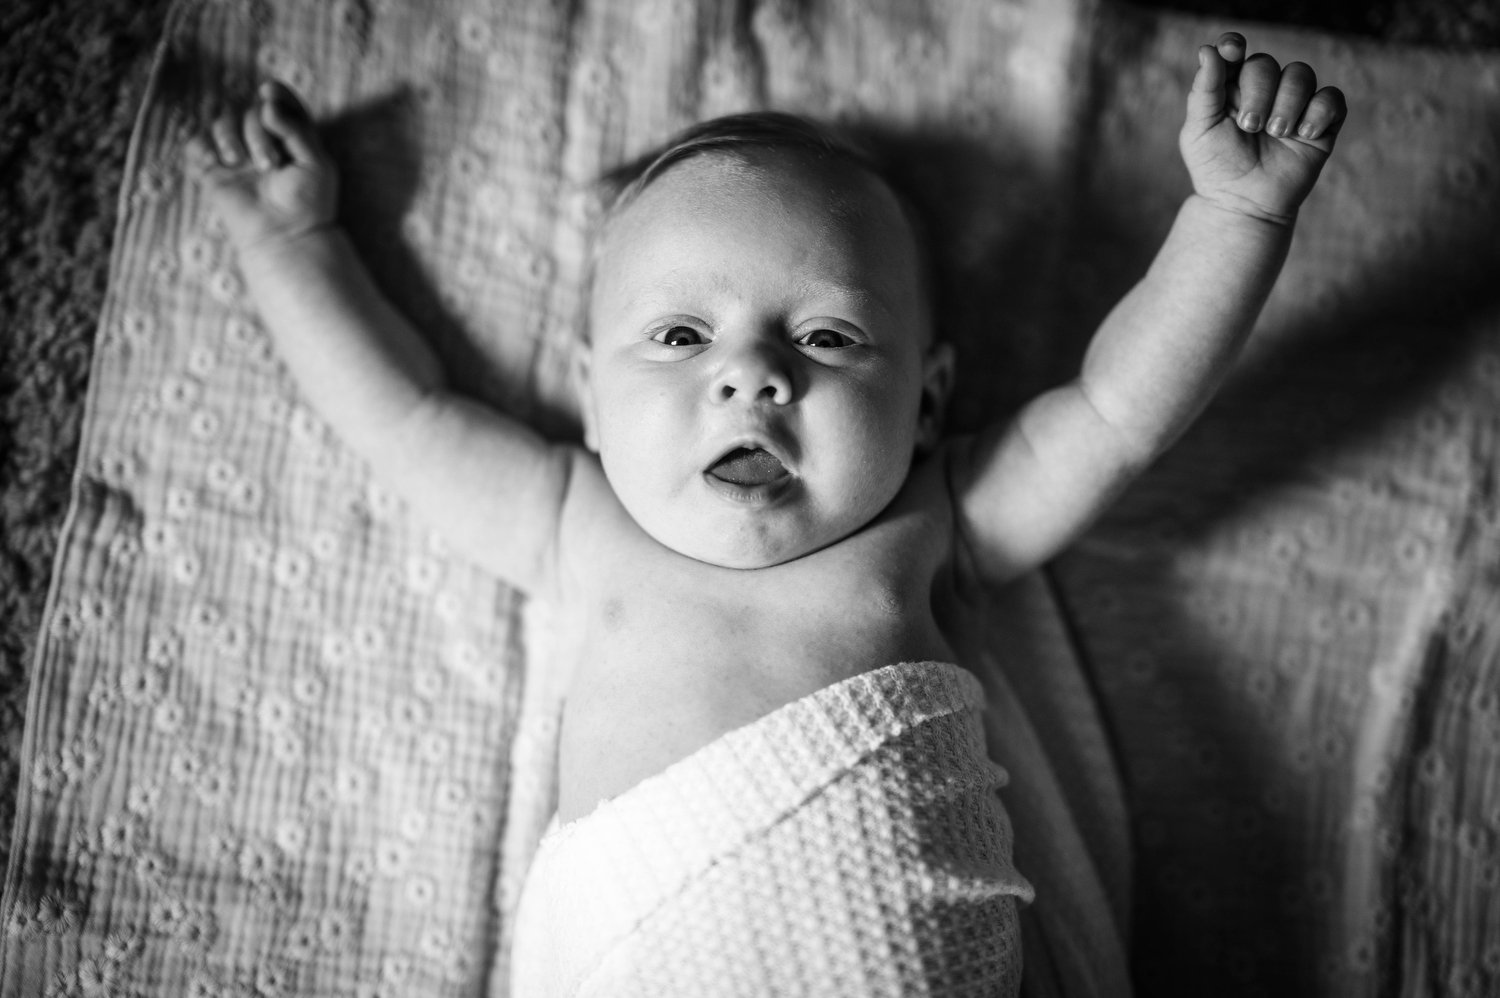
(748, 467)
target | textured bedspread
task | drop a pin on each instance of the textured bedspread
(280, 741)
(1295, 619)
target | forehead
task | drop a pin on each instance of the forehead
(757, 188)
(835, 186)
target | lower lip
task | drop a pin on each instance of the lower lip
(750, 495)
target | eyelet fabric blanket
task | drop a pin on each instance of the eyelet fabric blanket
(280, 741)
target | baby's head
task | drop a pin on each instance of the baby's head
(762, 365)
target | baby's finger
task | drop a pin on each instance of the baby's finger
(1298, 81)
(1205, 106)
(1325, 115)
(199, 154)
(1231, 46)
(287, 120)
(1259, 77)
(228, 141)
(264, 151)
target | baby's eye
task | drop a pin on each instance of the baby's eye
(825, 339)
(680, 336)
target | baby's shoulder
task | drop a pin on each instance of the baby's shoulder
(587, 483)
(589, 509)
(933, 500)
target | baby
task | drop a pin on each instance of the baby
(766, 521)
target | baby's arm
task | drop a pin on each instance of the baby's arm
(490, 484)
(1028, 488)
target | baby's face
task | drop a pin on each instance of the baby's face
(759, 354)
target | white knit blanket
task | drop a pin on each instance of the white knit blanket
(848, 843)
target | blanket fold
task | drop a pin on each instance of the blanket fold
(850, 842)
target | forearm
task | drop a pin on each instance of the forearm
(357, 360)
(1165, 348)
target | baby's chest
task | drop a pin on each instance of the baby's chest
(674, 659)
(826, 611)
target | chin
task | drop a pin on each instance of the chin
(740, 558)
(756, 550)
(725, 547)
(749, 563)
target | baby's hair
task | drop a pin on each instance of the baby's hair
(739, 134)
(735, 133)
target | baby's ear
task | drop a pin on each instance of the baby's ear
(937, 386)
(580, 376)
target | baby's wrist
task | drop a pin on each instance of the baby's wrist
(1236, 210)
(278, 242)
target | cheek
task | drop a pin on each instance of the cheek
(638, 425)
(879, 431)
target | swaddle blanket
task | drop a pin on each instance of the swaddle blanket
(848, 843)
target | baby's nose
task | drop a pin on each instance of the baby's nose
(754, 372)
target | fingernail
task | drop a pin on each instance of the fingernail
(1277, 126)
(1307, 130)
(1250, 121)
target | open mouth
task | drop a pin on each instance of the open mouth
(749, 466)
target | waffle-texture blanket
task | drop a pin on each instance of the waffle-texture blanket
(279, 741)
(850, 842)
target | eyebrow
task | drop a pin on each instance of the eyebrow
(858, 297)
(671, 285)
(668, 286)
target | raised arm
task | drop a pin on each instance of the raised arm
(1254, 140)
(489, 483)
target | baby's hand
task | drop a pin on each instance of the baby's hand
(266, 173)
(1257, 135)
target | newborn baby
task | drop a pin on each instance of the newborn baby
(770, 769)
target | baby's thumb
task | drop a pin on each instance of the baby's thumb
(198, 155)
(1205, 104)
